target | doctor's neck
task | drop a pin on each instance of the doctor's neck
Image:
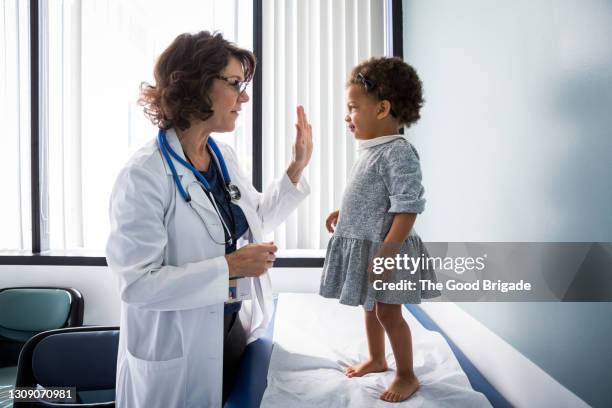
(194, 140)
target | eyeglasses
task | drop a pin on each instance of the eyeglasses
(369, 86)
(238, 85)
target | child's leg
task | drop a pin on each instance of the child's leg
(376, 346)
(405, 382)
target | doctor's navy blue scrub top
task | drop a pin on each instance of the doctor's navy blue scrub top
(215, 180)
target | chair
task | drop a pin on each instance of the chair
(80, 357)
(26, 311)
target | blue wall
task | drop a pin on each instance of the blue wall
(570, 341)
(515, 142)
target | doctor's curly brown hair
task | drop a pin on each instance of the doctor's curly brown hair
(391, 79)
(184, 74)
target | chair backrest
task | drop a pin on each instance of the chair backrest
(25, 311)
(81, 357)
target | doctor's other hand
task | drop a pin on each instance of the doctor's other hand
(331, 221)
(302, 147)
(252, 260)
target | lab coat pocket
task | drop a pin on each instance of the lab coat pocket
(157, 383)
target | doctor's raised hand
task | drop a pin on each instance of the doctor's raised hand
(302, 147)
(255, 259)
(187, 232)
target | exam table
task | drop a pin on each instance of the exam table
(253, 377)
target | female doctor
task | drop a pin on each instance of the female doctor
(177, 209)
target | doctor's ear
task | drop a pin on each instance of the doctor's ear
(384, 109)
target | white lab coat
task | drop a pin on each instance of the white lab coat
(173, 278)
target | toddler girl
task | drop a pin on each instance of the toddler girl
(379, 207)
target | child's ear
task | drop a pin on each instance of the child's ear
(384, 109)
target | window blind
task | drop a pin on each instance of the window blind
(309, 49)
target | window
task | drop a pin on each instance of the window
(15, 206)
(97, 53)
(93, 56)
(309, 49)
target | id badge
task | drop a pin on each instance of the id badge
(239, 290)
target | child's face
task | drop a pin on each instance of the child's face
(361, 117)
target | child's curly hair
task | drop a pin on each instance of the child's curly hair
(390, 78)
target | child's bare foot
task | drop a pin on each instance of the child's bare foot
(400, 389)
(370, 366)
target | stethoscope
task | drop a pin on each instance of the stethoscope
(232, 191)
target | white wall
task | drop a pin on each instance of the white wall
(99, 289)
(97, 285)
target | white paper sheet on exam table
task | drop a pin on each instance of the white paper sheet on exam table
(315, 339)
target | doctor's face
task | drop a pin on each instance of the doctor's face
(227, 98)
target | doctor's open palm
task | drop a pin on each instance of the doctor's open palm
(251, 260)
(302, 147)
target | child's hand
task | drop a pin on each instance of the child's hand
(386, 250)
(331, 221)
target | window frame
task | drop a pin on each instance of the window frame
(39, 256)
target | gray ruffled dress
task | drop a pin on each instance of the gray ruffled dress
(385, 180)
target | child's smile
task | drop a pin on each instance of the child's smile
(366, 117)
(361, 116)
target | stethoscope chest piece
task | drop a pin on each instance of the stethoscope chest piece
(234, 192)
